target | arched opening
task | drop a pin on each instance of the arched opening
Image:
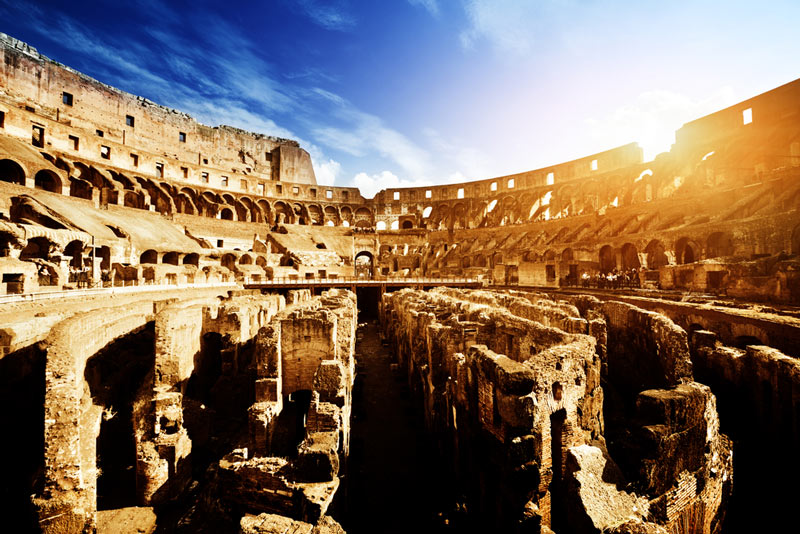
(149, 256)
(630, 258)
(114, 376)
(170, 258)
(363, 214)
(407, 224)
(104, 253)
(192, 259)
(47, 181)
(245, 260)
(364, 264)
(12, 172)
(80, 188)
(226, 214)
(283, 213)
(75, 250)
(718, 245)
(37, 247)
(656, 256)
(685, 251)
(229, 261)
(380, 225)
(608, 259)
(742, 342)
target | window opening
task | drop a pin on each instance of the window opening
(38, 136)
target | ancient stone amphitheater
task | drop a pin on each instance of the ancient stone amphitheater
(195, 336)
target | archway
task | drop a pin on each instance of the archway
(170, 258)
(608, 259)
(364, 263)
(656, 256)
(407, 225)
(47, 181)
(686, 251)
(226, 214)
(37, 247)
(229, 261)
(630, 258)
(149, 256)
(191, 259)
(75, 250)
(12, 172)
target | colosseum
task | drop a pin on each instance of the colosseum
(195, 336)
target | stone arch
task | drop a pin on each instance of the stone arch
(630, 257)
(283, 213)
(331, 214)
(363, 214)
(656, 255)
(149, 256)
(266, 210)
(229, 261)
(608, 258)
(226, 214)
(37, 247)
(246, 259)
(48, 180)
(191, 259)
(364, 264)
(171, 258)
(74, 249)
(12, 172)
(686, 251)
(80, 188)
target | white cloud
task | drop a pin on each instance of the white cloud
(432, 6)
(326, 171)
(371, 184)
(653, 118)
(509, 25)
(330, 14)
(359, 133)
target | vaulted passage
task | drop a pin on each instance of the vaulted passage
(114, 376)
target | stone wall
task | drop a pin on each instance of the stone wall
(519, 410)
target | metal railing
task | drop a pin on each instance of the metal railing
(355, 280)
(113, 290)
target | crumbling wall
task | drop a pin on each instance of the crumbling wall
(519, 410)
(493, 414)
(305, 354)
(758, 392)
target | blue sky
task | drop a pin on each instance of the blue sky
(388, 93)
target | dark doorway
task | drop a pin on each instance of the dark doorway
(114, 376)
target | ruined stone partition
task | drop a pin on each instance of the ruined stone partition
(758, 391)
(299, 424)
(519, 411)
(155, 369)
